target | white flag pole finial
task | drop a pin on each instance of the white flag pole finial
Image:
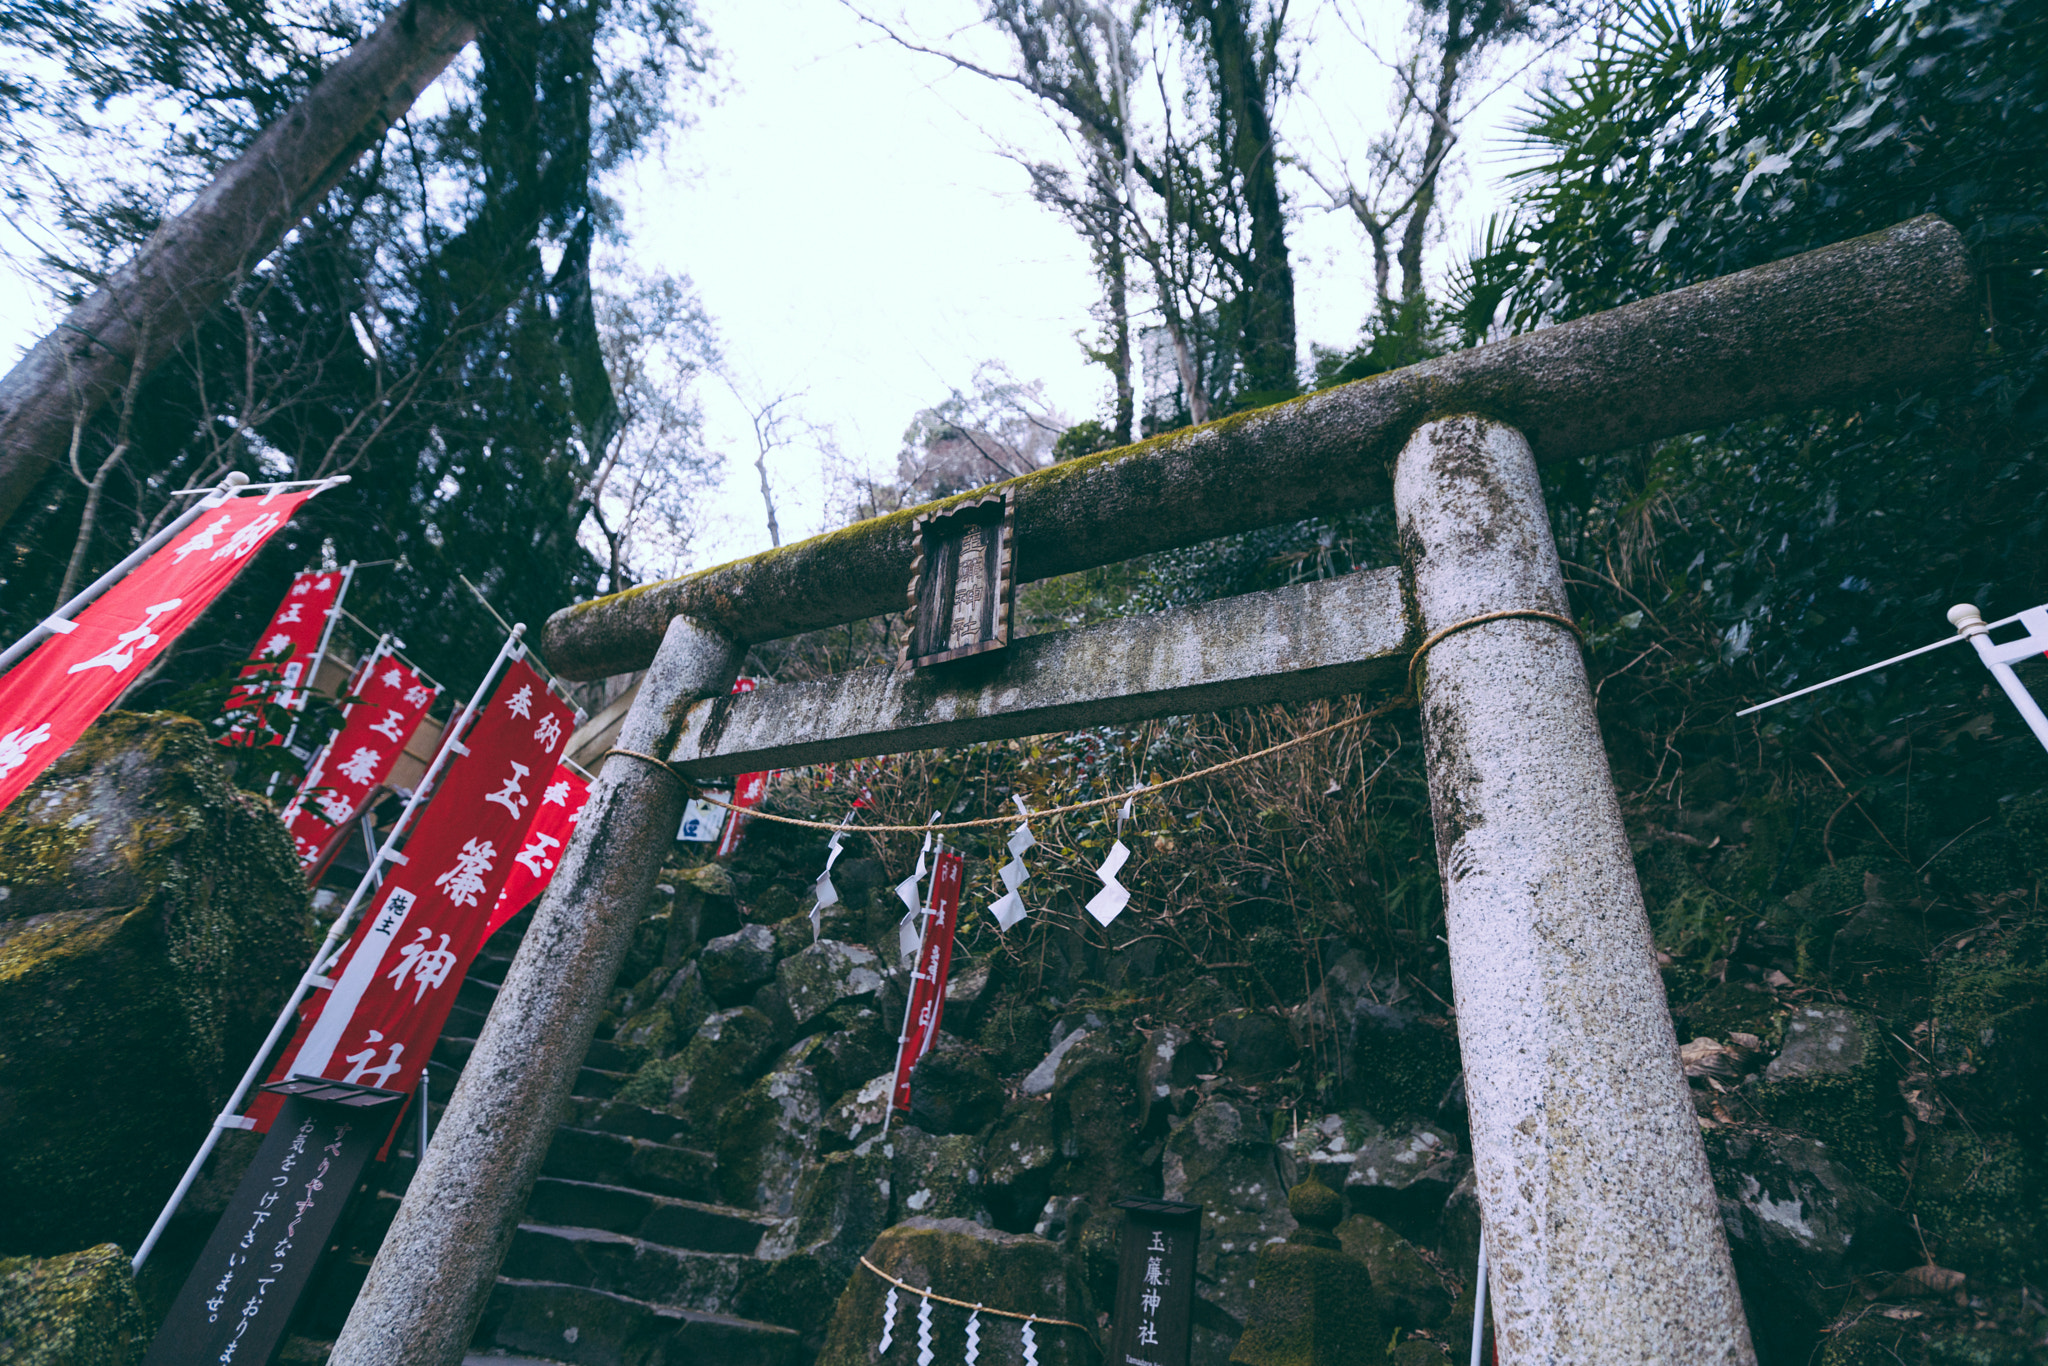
(1009, 908)
(1999, 658)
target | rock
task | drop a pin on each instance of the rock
(1825, 1083)
(75, 1309)
(1457, 1236)
(1798, 1225)
(850, 1055)
(843, 1203)
(1982, 1200)
(857, 1113)
(671, 1018)
(1038, 1081)
(152, 922)
(1398, 1173)
(767, 1135)
(727, 1053)
(735, 964)
(824, 974)
(1167, 1067)
(1397, 1057)
(704, 907)
(1256, 1046)
(1410, 1292)
(1219, 1158)
(1312, 1302)
(934, 1176)
(1876, 935)
(1020, 1152)
(966, 991)
(960, 1259)
(1990, 1015)
(1094, 1110)
(953, 1089)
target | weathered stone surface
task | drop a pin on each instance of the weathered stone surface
(767, 1134)
(1039, 1079)
(934, 1176)
(1312, 1302)
(824, 974)
(1886, 306)
(1799, 1227)
(1396, 1056)
(678, 1008)
(1408, 1289)
(1819, 1041)
(1306, 640)
(961, 1259)
(857, 1114)
(1166, 1069)
(1256, 1046)
(843, 1202)
(954, 1089)
(1567, 1043)
(1399, 1173)
(727, 1053)
(1020, 1152)
(152, 921)
(735, 964)
(967, 990)
(1219, 1157)
(75, 1309)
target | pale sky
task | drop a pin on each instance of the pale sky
(851, 227)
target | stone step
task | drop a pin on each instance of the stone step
(476, 994)
(635, 1163)
(675, 1278)
(453, 1051)
(617, 1117)
(585, 1327)
(466, 1021)
(690, 1225)
(596, 1082)
(613, 1057)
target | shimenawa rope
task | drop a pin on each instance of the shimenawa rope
(698, 794)
(963, 1304)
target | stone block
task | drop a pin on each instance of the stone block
(74, 1309)
(734, 965)
(152, 921)
(823, 975)
(962, 1260)
(1220, 1158)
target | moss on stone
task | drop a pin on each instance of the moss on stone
(1983, 1207)
(76, 1309)
(152, 921)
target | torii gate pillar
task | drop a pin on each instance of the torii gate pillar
(1603, 1240)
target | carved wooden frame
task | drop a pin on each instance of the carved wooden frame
(928, 611)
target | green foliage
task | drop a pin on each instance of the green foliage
(430, 329)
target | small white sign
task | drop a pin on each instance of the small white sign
(703, 821)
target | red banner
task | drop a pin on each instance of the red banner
(374, 732)
(928, 982)
(48, 699)
(747, 790)
(377, 1024)
(293, 637)
(533, 867)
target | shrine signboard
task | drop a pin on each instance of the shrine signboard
(1155, 1283)
(240, 1295)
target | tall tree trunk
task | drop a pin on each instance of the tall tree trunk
(1243, 95)
(1115, 271)
(152, 303)
(1415, 235)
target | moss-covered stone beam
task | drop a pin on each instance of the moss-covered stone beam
(1891, 308)
(1341, 635)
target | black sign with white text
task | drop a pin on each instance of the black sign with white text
(1155, 1283)
(239, 1297)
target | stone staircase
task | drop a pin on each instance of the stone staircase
(623, 1258)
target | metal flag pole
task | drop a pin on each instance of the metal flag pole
(924, 929)
(1479, 1301)
(59, 621)
(316, 766)
(1971, 626)
(229, 1117)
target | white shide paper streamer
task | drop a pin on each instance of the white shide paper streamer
(973, 1337)
(909, 932)
(888, 1323)
(828, 895)
(1030, 1345)
(1107, 904)
(1009, 908)
(924, 1330)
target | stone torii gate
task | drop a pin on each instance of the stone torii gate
(1604, 1241)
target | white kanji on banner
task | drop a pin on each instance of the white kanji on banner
(464, 882)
